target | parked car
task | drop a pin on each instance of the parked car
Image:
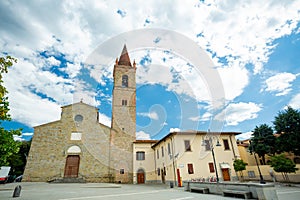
(4, 171)
(19, 178)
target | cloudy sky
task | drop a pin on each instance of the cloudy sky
(254, 47)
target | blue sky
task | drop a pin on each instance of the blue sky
(254, 47)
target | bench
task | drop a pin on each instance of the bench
(199, 189)
(245, 194)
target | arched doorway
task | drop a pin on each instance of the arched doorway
(72, 166)
(72, 162)
(225, 171)
(140, 176)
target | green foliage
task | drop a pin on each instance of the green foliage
(5, 63)
(284, 165)
(287, 124)
(263, 141)
(8, 146)
(239, 165)
(18, 161)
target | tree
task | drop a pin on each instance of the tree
(239, 165)
(8, 146)
(18, 161)
(284, 165)
(287, 125)
(263, 141)
(5, 63)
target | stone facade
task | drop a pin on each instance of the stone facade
(78, 146)
(123, 119)
(53, 142)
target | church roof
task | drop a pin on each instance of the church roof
(124, 58)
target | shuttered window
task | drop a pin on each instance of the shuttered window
(211, 167)
(187, 145)
(226, 145)
(190, 168)
(140, 155)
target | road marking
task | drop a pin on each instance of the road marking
(115, 195)
(183, 198)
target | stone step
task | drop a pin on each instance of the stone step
(67, 180)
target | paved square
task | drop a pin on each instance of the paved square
(93, 191)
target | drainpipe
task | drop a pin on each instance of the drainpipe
(155, 160)
(234, 155)
(173, 150)
(233, 151)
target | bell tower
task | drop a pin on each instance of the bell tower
(123, 124)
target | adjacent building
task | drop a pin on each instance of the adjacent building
(181, 156)
(255, 167)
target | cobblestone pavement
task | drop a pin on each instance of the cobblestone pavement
(93, 191)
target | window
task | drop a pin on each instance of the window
(297, 160)
(121, 171)
(169, 149)
(207, 145)
(251, 174)
(211, 167)
(140, 155)
(226, 145)
(124, 81)
(157, 152)
(124, 102)
(158, 171)
(78, 118)
(187, 145)
(162, 152)
(190, 168)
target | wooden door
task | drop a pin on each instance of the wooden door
(178, 178)
(140, 177)
(72, 166)
(226, 176)
(163, 176)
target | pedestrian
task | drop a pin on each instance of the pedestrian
(272, 175)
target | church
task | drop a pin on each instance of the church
(79, 148)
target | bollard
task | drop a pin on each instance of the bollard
(17, 191)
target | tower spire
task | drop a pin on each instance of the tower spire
(124, 58)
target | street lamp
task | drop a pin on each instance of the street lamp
(261, 177)
(211, 146)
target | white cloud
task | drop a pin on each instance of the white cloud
(103, 119)
(151, 115)
(244, 136)
(35, 111)
(172, 130)
(27, 134)
(280, 83)
(18, 138)
(295, 102)
(235, 79)
(239, 112)
(172, 72)
(205, 117)
(53, 61)
(239, 31)
(141, 135)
